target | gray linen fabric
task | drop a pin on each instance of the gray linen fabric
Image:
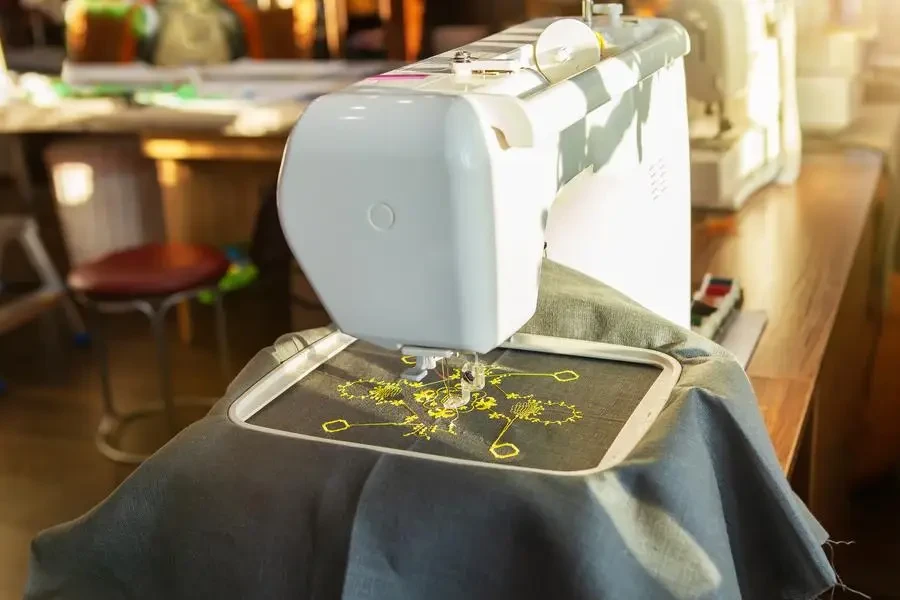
(699, 510)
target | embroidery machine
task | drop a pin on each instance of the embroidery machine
(421, 202)
(742, 89)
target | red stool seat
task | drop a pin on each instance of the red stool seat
(150, 270)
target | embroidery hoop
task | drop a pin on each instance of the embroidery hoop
(289, 373)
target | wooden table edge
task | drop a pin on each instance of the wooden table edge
(173, 146)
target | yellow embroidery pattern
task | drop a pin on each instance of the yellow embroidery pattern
(509, 407)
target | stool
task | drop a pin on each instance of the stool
(150, 279)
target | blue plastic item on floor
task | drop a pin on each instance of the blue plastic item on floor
(82, 339)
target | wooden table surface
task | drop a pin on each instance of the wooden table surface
(793, 249)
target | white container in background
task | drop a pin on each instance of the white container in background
(834, 52)
(812, 15)
(828, 104)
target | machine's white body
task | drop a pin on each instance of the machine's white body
(745, 130)
(418, 202)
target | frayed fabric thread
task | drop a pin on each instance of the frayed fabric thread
(830, 544)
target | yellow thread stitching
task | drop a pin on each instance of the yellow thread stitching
(522, 408)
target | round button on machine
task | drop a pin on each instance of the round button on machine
(381, 216)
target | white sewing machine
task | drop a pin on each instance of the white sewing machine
(420, 202)
(741, 83)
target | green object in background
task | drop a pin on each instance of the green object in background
(174, 96)
(140, 24)
(106, 8)
(64, 90)
(187, 92)
(240, 274)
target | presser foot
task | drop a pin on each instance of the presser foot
(471, 379)
(471, 373)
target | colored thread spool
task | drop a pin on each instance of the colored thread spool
(714, 305)
(714, 301)
(717, 290)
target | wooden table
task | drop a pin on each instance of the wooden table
(807, 255)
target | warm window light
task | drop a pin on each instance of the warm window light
(73, 183)
(752, 152)
(363, 7)
(7, 88)
(649, 8)
(764, 86)
(257, 121)
(281, 4)
(39, 89)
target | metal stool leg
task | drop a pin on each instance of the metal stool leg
(222, 338)
(164, 368)
(102, 355)
(113, 421)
